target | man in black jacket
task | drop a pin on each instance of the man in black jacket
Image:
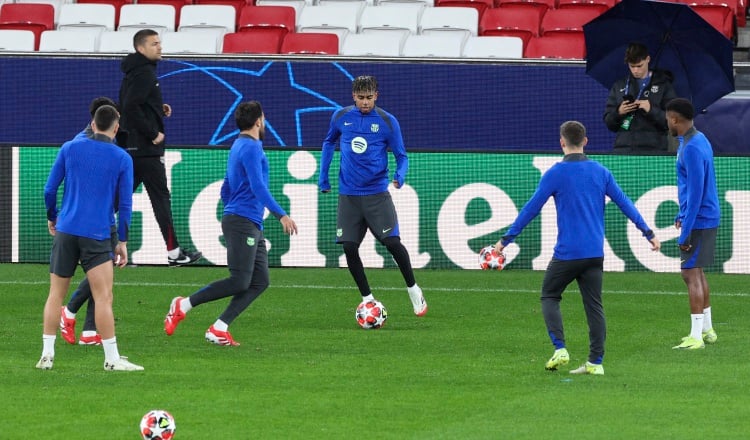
(143, 114)
(635, 106)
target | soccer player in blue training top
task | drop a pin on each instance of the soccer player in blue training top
(364, 132)
(245, 193)
(97, 175)
(580, 187)
(89, 336)
(698, 218)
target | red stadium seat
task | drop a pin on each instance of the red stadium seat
(273, 20)
(177, 4)
(318, 43)
(720, 18)
(599, 5)
(116, 3)
(568, 45)
(566, 20)
(252, 42)
(511, 21)
(737, 7)
(34, 17)
(544, 4)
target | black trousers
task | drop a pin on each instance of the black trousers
(151, 172)
(588, 273)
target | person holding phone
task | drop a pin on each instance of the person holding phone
(635, 105)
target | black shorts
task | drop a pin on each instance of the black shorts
(356, 214)
(701, 253)
(68, 250)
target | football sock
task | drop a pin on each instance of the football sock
(68, 313)
(368, 298)
(413, 289)
(88, 333)
(111, 353)
(48, 345)
(707, 324)
(185, 305)
(221, 325)
(697, 326)
(174, 253)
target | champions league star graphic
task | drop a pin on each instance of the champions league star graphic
(297, 105)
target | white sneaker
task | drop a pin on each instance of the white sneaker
(417, 300)
(45, 363)
(121, 364)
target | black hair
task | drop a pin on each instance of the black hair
(139, 39)
(365, 83)
(635, 53)
(573, 133)
(98, 102)
(247, 114)
(681, 106)
(105, 117)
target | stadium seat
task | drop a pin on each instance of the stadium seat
(57, 4)
(444, 44)
(402, 21)
(116, 3)
(236, 4)
(449, 19)
(738, 7)
(276, 20)
(189, 42)
(117, 41)
(567, 45)
(296, 4)
(720, 18)
(12, 40)
(36, 18)
(68, 41)
(253, 41)
(214, 19)
(597, 5)
(160, 18)
(407, 3)
(512, 21)
(480, 5)
(384, 45)
(310, 43)
(493, 47)
(176, 4)
(566, 20)
(86, 15)
(339, 18)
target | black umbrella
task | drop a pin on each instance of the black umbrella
(679, 40)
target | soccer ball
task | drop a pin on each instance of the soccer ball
(157, 424)
(371, 314)
(490, 259)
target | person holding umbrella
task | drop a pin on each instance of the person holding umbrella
(635, 105)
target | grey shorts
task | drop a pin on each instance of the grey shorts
(68, 250)
(701, 254)
(357, 214)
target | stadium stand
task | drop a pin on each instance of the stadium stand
(276, 20)
(310, 43)
(512, 21)
(449, 19)
(386, 45)
(566, 20)
(176, 4)
(118, 4)
(57, 4)
(189, 42)
(597, 5)
(214, 19)
(340, 18)
(117, 41)
(36, 18)
(87, 15)
(444, 44)
(480, 5)
(377, 19)
(567, 45)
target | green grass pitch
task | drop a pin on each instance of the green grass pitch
(473, 368)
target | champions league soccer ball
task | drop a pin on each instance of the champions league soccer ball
(371, 314)
(158, 424)
(490, 259)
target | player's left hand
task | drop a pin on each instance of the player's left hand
(290, 227)
(167, 110)
(51, 227)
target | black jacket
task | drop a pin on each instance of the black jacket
(141, 105)
(648, 131)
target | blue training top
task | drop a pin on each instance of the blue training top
(364, 142)
(245, 191)
(579, 187)
(696, 185)
(97, 173)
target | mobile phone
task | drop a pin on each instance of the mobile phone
(628, 98)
